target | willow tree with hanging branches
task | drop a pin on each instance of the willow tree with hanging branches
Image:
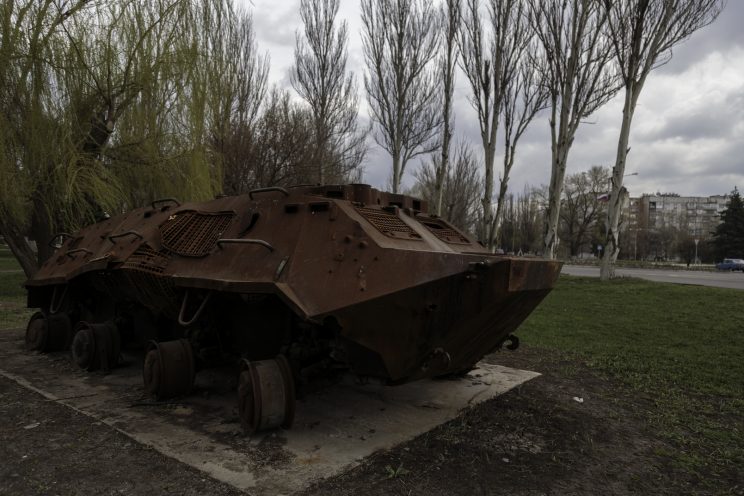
(107, 105)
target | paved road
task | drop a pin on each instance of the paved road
(733, 280)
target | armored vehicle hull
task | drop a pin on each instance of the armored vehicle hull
(283, 283)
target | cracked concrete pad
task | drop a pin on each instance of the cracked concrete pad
(335, 428)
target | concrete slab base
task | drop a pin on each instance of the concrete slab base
(335, 427)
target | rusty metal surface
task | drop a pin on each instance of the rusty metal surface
(266, 395)
(47, 333)
(96, 346)
(168, 370)
(366, 277)
(194, 234)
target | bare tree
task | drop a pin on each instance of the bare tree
(272, 151)
(583, 203)
(450, 12)
(319, 76)
(642, 34)
(461, 187)
(522, 218)
(490, 60)
(574, 58)
(399, 39)
(524, 96)
(234, 78)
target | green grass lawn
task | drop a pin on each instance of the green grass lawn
(682, 347)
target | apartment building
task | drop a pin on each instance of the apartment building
(698, 215)
(667, 226)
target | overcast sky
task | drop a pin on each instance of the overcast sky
(688, 130)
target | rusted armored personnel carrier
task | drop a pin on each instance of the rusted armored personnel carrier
(281, 283)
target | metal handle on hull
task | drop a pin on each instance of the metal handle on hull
(165, 200)
(198, 313)
(55, 305)
(70, 253)
(261, 242)
(266, 190)
(126, 233)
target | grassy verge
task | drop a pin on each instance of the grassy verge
(682, 347)
(13, 311)
(642, 264)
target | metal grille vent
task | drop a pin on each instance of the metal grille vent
(193, 234)
(145, 259)
(388, 224)
(445, 233)
(152, 290)
(143, 271)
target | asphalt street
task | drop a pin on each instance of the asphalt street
(734, 280)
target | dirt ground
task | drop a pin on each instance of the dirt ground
(537, 439)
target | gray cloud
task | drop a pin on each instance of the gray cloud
(276, 22)
(725, 32)
(714, 119)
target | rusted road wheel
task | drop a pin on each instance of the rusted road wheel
(169, 370)
(266, 395)
(96, 346)
(48, 332)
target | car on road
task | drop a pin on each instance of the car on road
(731, 264)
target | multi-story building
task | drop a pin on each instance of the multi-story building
(697, 215)
(666, 225)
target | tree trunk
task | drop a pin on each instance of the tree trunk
(615, 205)
(18, 245)
(552, 216)
(41, 231)
(486, 202)
(496, 224)
(396, 173)
(443, 165)
(503, 186)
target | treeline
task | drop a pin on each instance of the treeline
(108, 105)
(582, 222)
(583, 225)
